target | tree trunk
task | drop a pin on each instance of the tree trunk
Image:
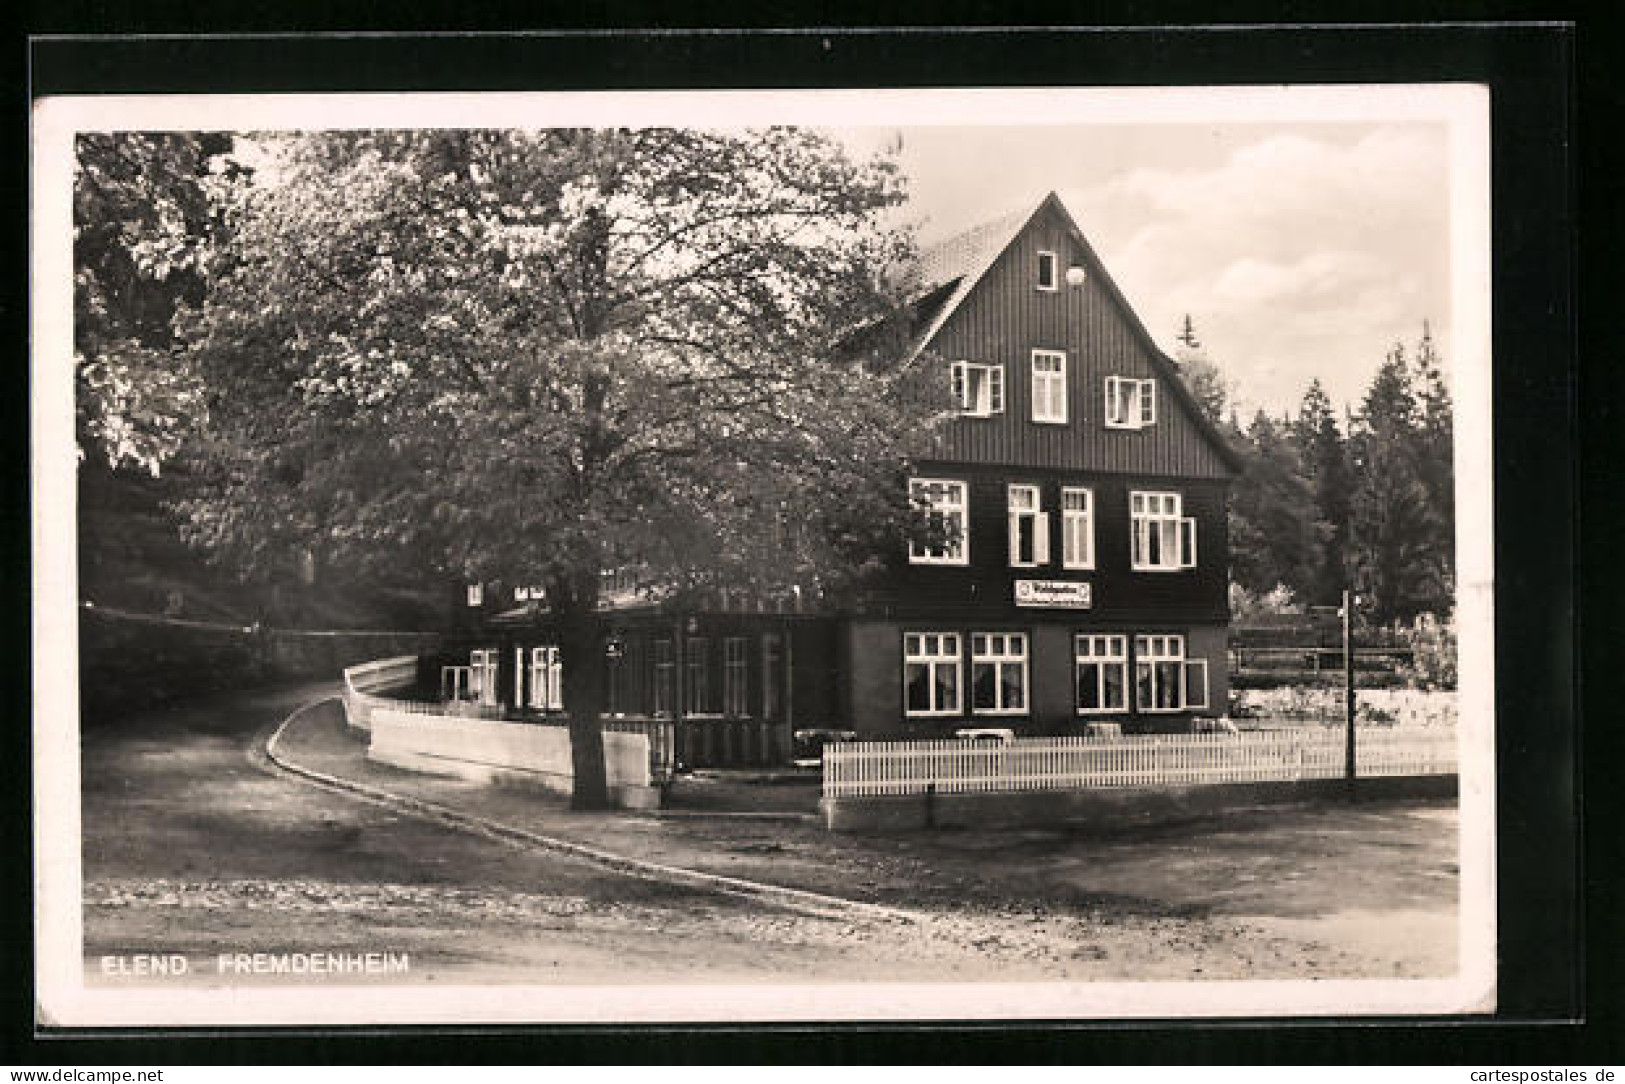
(582, 656)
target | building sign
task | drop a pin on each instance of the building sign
(1062, 594)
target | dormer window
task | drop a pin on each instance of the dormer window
(1130, 403)
(1048, 271)
(978, 388)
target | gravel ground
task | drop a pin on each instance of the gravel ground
(191, 847)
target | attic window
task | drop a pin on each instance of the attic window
(1047, 268)
(1130, 403)
(978, 389)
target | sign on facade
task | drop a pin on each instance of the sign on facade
(1062, 594)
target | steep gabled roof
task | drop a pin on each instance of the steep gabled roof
(954, 266)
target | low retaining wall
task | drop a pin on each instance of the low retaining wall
(507, 754)
(1107, 806)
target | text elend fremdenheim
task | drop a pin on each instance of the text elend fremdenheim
(174, 964)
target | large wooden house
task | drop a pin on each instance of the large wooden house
(1084, 578)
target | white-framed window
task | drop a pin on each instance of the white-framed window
(947, 502)
(482, 676)
(664, 671)
(998, 673)
(546, 679)
(1049, 386)
(1130, 403)
(1101, 663)
(696, 676)
(455, 682)
(1159, 673)
(931, 673)
(734, 694)
(1029, 528)
(1163, 538)
(1077, 527)
(1196, 685)
(772, 660)
(1049, 267)
(978, 388)
(476, 594)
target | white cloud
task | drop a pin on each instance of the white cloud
(1298, 255)
(1324, 273)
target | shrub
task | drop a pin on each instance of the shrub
(1433, 652)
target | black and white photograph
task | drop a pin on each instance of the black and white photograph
(763, 556)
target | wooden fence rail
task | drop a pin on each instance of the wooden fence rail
(869, 769)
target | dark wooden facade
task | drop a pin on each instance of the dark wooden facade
(987, 582)
(1004, 318)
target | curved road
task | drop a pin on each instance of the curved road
(194, 845)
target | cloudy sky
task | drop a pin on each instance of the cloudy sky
(1300, 250)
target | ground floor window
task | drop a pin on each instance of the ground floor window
(482, 676)
(998, 673)
(1159, 673)
(733, 676)
(931, 674)
(660, 654)
(546, 679)
(696, 686)
(772, 659)
(1101, 664)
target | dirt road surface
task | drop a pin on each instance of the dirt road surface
(193, 845)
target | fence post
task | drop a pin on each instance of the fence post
(1348, 685)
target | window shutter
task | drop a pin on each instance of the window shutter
(1148, 402)
(1196, 684)
(959, 386)
(995, 390)
(1041, 543)
(1014, 525)
(1187, 542)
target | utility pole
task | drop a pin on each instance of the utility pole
(1348, 685)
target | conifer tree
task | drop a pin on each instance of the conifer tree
(1392, 528)
(1324, 457)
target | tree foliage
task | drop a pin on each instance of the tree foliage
(1400, 531)
(537, 356)
(1276, 537)
(1324, 460)
(144, 218)
(1366, 504)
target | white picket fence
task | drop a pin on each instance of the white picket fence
(871, 769)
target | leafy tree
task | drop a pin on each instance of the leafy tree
(143, 221)
(1324, 457)
(1206, 383)
(1275, 538)
(145, 215)
(538, 356)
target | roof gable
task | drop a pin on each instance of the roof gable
(956, 266)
